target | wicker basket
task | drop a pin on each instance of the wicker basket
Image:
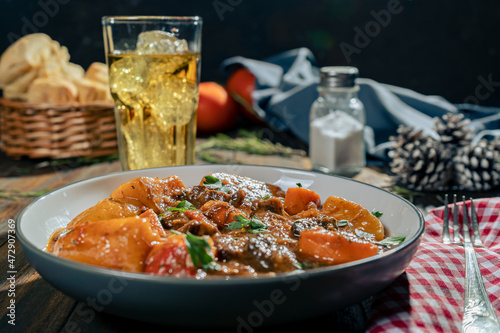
(45, 131)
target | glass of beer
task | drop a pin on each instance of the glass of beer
(154, 72)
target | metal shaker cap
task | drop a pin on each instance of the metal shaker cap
(338, 76)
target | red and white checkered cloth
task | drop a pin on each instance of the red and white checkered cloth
(429, 297)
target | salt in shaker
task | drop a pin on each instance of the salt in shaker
(337, 121)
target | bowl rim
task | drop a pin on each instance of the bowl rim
(150, 278)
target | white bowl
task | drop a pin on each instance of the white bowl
(219, 302)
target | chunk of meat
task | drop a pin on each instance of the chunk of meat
(199, 224)
(358, 216)
(313, 221)
(332, 248)
(154, 193)
(298, 199)
(200, 195)
(230, 246)
(254, 189)
(258, 251)
(279, 226)
(303, 224)
(106, 209)
(273, 205)
(173, 220)
(117, 243)
(265, 255)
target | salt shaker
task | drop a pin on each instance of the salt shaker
(337, 121)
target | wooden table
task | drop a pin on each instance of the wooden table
(40, 307)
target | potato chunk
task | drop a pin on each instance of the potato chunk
(118, 243)
(154, 221)
(154, 193)
(106, 209)
(359, 217)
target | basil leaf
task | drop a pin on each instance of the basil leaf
(254, 224)
(197, 248)
(215, 183)
(361, 233)
(182, 207)
(377, 214)
(392, 241)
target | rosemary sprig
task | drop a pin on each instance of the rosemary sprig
(249, 142)
(16, 194)
(84, 160)
(406, 193)
(210, 157)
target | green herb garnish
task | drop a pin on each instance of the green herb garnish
(392, 241)
(265, 197)
(215, 183)
(182, 207)
(198, 249)
(299, 184)
(361, 233)
(343, 223)
(377, 214)
(254, 224)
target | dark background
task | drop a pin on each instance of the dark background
(448, 48)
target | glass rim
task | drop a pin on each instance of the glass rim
(150, 18)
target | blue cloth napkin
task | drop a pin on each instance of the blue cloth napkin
(286, 88)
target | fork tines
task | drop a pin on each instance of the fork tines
(472, 217)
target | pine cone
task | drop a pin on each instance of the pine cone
(478, 167)
(417, 162)
(422, 163)
(453, 131)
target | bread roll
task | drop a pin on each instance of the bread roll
(73, 72)
(53, 90)
(17, 88)
(97, 71)
(32, 56)
(92, 91)
(37, 69)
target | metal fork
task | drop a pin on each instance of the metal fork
(479, 315)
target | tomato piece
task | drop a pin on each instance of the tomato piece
(170, 258)
(217, 110)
